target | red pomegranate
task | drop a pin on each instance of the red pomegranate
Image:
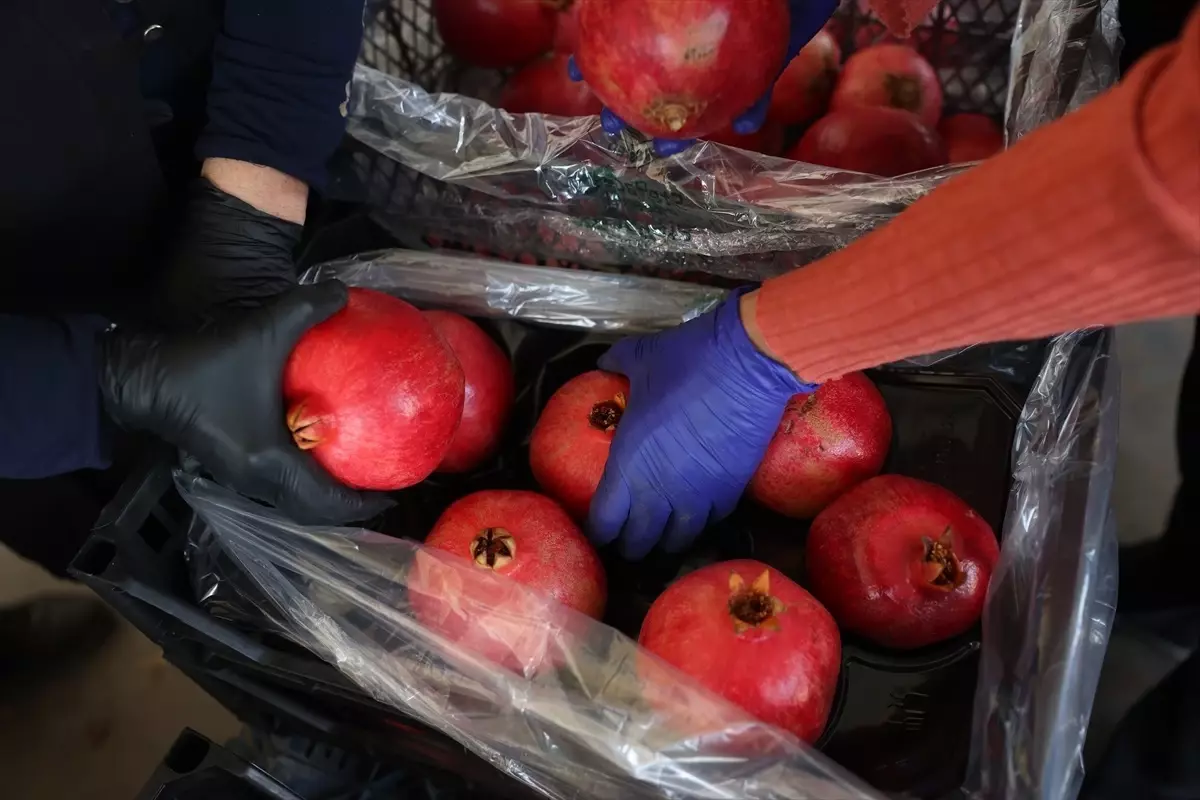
(374, 393)
(496, 33)
(545, 87)
(746, 632)
(901, 562)
(488, 393)
(893, 76)
(525, 537)
(970, 137)
(681, 69)
(768, 140)
(827, 442)
(570, 442)
(874, 140)
(803, 90)
(566, 31)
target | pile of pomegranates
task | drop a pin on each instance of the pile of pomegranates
(883, 115)
(383, 395)
(688, 70)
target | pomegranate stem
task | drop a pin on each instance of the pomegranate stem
(493, 548)
(605, 415)
(753, 606)
(942, 567)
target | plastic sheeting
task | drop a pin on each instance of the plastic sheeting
(447, 170)
(589, 714)
(483, 287)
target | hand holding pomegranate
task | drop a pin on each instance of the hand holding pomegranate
(703, 405)
(700, 66)
(218, 395)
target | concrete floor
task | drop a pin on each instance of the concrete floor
(97, 731)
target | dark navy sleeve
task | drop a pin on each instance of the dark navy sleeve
(51, 419)
(281, 69)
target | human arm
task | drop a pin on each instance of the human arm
(67, 382)
(276, 113)
(1093, 220)
(50, 416)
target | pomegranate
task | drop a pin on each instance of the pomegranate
(570, 442)
(768, 140)
(566, 30)
(890, 75)
(902, 16)
(488, 392)
(496, 33)
(374, 393)
(527, 538)
(803, 90)
(746, 632)
(681, 69)
(827, 442)
(901, 562)
(970, 137)
(874, 140)
(545, 87)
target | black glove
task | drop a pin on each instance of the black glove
(218, 395)
(226, 255)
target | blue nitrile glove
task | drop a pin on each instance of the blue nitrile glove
(703, 406)
(807, 17)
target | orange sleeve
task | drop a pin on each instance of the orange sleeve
(1092, 220)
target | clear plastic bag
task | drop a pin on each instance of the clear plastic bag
(608, 720)
(448, 170)
(483, 287)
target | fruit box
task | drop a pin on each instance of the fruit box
(1003, 707)
(445, 170)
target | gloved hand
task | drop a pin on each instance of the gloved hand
(703, 406)
(217, 395)
(807, 18)
(226, 255)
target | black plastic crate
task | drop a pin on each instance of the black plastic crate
(966, 40)
(899, 719)
(196, 768)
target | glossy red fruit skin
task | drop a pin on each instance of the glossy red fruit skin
(487, 395)
(827, 442)
(681, 69)
(866, 561)
(376, 392)
(544, 87)
(893, 76)
(970, 137)
(803, 90)
(549, 554)
(567, 452)
(874, 140)
(768, 140)
(784, 672)
(496, 33)
(566, 31)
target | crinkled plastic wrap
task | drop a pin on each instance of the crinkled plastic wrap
(581, 711)
(483, 287)
(448, 170)
(587, 300)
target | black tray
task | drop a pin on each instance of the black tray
(900, 719)
(197, 769)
